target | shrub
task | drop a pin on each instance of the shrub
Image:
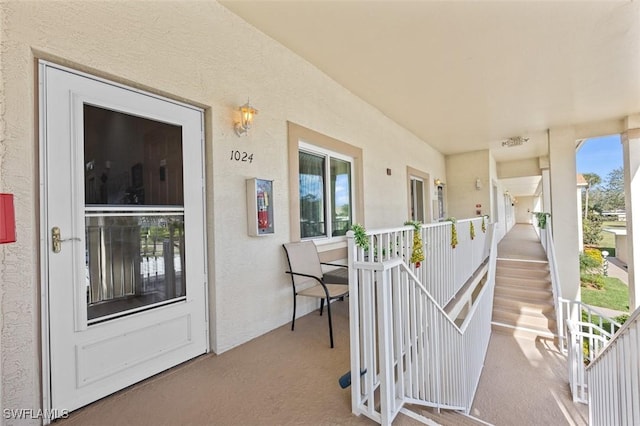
(594, 254)
(622, 318)
(592, 229)
(592, 280)
(590, 261)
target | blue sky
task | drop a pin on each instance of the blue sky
(600, 156)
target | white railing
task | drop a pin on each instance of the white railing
(585, 341)
(614, 378)
(445, 269)
(586, 335)
(582, 330)
(560, 305)
(403, 344)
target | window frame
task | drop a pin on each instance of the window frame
(317, 143)
(328, 155)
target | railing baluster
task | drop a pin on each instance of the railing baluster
(614, 377)
(411, 349)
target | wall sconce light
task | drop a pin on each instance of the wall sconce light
(247, 112)
(437, 182)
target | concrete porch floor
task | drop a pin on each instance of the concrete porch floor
(525, 380)
(291, 378)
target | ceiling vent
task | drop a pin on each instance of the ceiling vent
(515, 141)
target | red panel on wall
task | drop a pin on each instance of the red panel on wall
(7, 219)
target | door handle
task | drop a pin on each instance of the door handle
(56, 240)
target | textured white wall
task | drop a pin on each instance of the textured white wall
(200, 53)
(462, 194)
(523, 208)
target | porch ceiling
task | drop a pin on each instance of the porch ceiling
(466, 75)
(521, 186)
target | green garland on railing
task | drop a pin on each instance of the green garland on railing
(472, 230)
(360, 236)
(484, 226)
(417, 254)
(454, 233)
(542, 219)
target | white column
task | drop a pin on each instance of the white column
(546, 191)
(562, 167)
(579, 218)
(631, 160)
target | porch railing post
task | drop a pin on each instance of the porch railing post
(354, 324)
(385, 347)
(409, 348)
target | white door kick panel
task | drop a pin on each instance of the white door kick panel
(97, 360)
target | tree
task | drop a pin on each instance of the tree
(592, 180)
(592, 229)
(614, 190)
(596, 199)
(610, 194)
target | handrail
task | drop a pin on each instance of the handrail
(614, 378)
(579, 333)
(400, 333)
(634, 317)
(569, 320)
(491, 276)
(446, 268)
(439, 308)
(549, 248)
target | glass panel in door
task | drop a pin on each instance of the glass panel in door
(417, 199)
(134, 213)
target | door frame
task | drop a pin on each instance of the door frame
(45, 312)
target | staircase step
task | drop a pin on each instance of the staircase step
(522, 265)
(508, 271)
(538, 321)
(523, 299)
(521, 331)
(526, 293)
(524, 282)
(523, 305)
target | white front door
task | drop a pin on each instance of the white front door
(124, 275)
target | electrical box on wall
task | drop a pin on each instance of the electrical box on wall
(7, 219)
(259, 207)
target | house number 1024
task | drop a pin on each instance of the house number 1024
(241, 156)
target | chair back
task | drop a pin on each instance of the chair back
(303, 259)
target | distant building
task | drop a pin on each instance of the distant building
(619, 215)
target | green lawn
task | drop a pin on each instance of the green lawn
(608, 241)
(614, 224)
(614, 295)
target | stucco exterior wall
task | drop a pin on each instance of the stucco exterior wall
(462, 172)
(523, 208)
(200, 53)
